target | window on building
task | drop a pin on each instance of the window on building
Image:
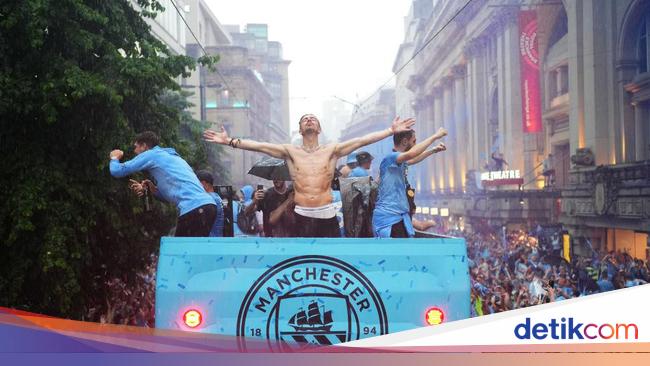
(643, 45)
(224, 98)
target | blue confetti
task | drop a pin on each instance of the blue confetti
(232, 261)
(224, 276)
(411, 285)
(389, 296)
(164, 280)
(395, 274)
(181, 286)
(260, 258)
(189, 270)
(184, 254)
(453, 272)
(462, 259)
(268, 266)
(235, 268)
(211, 301)
(383, 269)
(381, 262)
(172, 262)
(424, 269)
(219, 259)
(245, 258)
(408, 257)
(365, 264)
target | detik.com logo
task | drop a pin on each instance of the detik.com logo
(568, 328)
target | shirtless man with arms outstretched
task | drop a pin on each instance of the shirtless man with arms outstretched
(312, 169)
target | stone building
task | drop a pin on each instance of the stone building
(587, 99)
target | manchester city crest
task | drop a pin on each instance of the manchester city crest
(311, 300)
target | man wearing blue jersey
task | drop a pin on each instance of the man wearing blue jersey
(207, 181)
(175, 182)
(391, 218)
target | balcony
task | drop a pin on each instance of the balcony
(609, 196)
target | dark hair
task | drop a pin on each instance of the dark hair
(398, 137)
(205, 176)
(364, 157)
(147, 137)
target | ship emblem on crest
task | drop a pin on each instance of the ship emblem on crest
(314, 324)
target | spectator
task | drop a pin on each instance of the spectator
(207, 181)
(248, 228)
(364, 160)
(269, 200)
(548, 171)
(499, 162)
(350, 164)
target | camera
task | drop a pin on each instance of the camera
(260, 187)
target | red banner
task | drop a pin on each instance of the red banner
(529, 60)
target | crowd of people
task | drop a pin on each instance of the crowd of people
(516, 270)
(128, 302)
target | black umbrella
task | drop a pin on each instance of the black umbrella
(271, 169)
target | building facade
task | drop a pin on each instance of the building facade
(210, 33)
(242, 106)
(267, 59)
(586, 100)
(168, 26)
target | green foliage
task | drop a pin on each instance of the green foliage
(79, 78)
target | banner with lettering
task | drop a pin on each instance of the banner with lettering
(529, 61)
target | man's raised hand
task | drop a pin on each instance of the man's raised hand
(116, 154)
(442, 132)
(402, 125)
(220, 137)
(440, 147)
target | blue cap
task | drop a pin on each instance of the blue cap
(352, 158)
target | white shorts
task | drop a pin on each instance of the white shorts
(323, 212)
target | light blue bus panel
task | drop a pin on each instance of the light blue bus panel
(321, 291)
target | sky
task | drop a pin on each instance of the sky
(344, 48)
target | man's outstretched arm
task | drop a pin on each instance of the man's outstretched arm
(345, 148)
(222, 138)
(439, 148)
(418, 149)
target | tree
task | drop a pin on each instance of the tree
(77, 79)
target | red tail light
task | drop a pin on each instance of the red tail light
(434, 316)
(192, 318)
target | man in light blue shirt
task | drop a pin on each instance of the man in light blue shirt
(391, 218)
(175, 182)
(207, 181)
(364, 160)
